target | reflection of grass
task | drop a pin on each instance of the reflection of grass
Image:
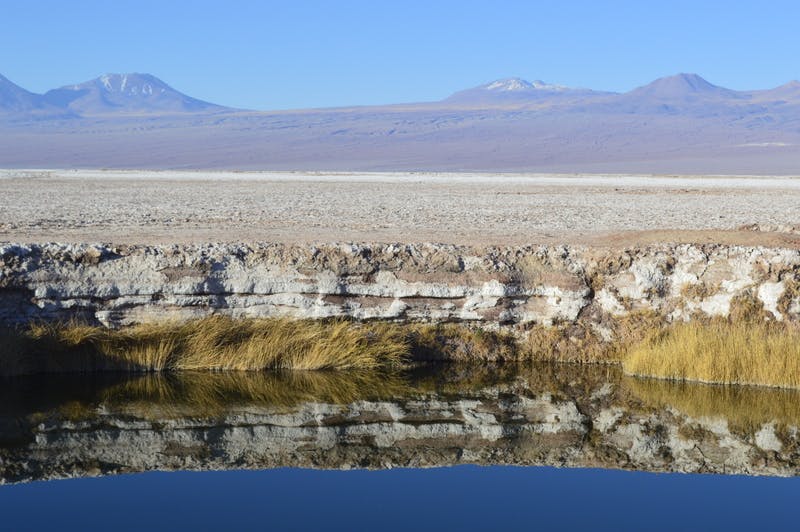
(207, 394)
(721, 351)
(744, 407)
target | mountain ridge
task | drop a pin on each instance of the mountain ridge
(517, 90)
(133, 92)
(14, 97)
(107, 94)
(143, 92)
(677, 124)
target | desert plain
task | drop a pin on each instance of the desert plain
(162, 207)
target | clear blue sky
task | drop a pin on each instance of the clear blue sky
(289, 54)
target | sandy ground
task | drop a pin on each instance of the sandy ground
(163, 207)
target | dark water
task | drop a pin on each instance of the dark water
(451, 447)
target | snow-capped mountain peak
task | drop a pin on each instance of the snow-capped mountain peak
(125, 92)
(541, 85)
(519, 85)
(514, 90)
(128, 84)
(509, 84)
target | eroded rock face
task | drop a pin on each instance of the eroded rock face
(570, 417)
(428, 282)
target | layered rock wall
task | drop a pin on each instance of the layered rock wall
(491, 286)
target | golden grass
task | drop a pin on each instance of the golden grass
(721, 351)
(220, 343)
(744, 349)
(215, 343)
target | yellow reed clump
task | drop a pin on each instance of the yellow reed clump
(214, 343)
(721, 351)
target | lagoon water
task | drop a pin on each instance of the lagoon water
(454, 498)
(450, 447)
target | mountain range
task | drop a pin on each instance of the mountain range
(679, 123)
(110, 93)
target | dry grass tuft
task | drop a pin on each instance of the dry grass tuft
(747, 348)
(721, 351)
(699, 290)
(220, 343)
(215, 343)
(790, 294)
(564, 343)
(747, 308)
(580, 342)
(452, 342)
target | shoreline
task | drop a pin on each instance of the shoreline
(577, 265)
(565, 303)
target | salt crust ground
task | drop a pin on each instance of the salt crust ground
(149, 207)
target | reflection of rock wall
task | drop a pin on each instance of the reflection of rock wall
(578, 423)
(430, 282)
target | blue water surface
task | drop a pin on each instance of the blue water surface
(454, 498)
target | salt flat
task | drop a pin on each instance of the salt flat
(130, 206)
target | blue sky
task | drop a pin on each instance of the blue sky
(291, 54)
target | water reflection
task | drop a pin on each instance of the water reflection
(559, 415)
